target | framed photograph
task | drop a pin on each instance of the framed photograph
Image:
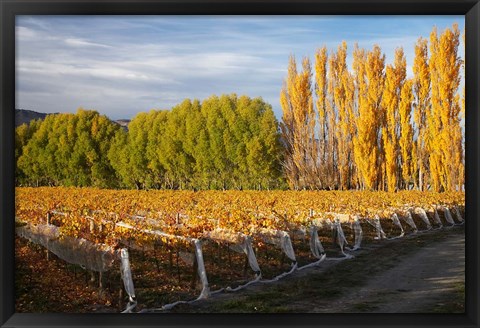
(198, 163)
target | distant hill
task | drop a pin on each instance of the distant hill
(123, 123)
(25, 116)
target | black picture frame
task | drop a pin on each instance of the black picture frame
(10, 8)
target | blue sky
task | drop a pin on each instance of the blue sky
(122, 65)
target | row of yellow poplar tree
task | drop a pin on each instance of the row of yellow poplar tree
(371, 127)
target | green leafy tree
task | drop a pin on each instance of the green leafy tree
(70, 149)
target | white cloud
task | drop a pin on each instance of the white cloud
(84, 43)
(24, 33)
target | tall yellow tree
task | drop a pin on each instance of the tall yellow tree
(446, 158)
(305, 120)
(406, 132)
(370, 78)
(348, 81)
(359, 58)
(343, 94)
(394, 80)
(321, 57)
(298, 127)
(287, 126)
(434, 122)
(331, 116)
(461, 173)
(421, 85)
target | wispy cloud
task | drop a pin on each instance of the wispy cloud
(84, 43)
(24, 33)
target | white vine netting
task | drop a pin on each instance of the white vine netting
(82, 252)
(88, 255)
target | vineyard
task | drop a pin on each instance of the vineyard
(151, 250)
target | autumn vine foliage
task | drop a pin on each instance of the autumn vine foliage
(190, 214)
(376, 128)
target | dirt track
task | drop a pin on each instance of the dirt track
(419, 283)
(417, 274)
